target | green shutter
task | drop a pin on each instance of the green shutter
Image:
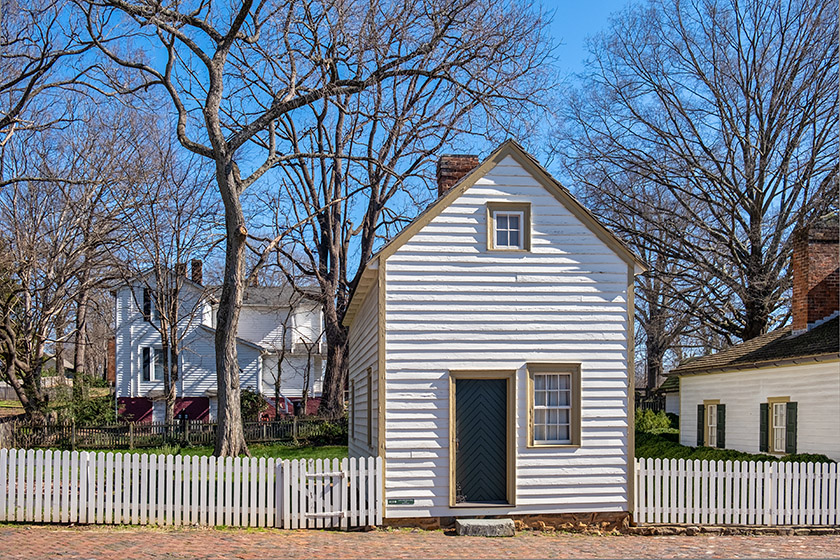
(721, 425)
(790, 428)
(701, 425)
(763, 433)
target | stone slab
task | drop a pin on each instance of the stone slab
(484, 527)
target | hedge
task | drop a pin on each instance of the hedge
(667, 446)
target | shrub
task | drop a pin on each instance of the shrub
(650, 421)
(330, 433)
(666, 446)
(252, 404)
(96, 411)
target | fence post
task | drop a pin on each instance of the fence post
(131, 435)
(73, 435)
(187, 431)
(295, 429)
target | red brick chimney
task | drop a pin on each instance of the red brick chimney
(111, 361)
(197, 274)
(451, 168)
(816, 273)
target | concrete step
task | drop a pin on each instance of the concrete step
(484, 527)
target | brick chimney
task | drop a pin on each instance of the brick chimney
(111, 361)
(181, 269)
(451, 168)
(816, 273)
(197, 271)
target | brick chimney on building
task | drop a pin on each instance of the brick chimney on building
(816, 273)
(451, 168)
(197, 271)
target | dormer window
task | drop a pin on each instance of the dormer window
(508, 226)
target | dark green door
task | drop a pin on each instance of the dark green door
(481, 440)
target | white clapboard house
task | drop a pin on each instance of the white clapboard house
(275, 326)
(778, 393)
(491, 352)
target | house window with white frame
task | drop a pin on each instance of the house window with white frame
(552, 408)
(152, 364)
(779, 417)
(508, 229)
(711, 425)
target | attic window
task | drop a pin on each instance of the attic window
(508, 226)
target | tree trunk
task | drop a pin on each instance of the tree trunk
(230, 437)
(654, 354)
(79, 352)
(59, 346)
(335, 376)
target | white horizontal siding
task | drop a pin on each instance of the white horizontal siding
(815, 386)
(292, 377)
(364, 342)
(263, 325)
(451, 304)
(198, 365)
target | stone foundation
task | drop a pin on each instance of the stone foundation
(598, 523)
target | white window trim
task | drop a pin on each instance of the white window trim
(153, 353)
(779, 430)
(557, 407)
(521, 229)
(711, 425)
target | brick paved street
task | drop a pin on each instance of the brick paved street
(25, 542)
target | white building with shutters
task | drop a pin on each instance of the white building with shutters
(778, 393)
(491, 352)
(280, 332)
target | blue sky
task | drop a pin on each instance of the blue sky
(573, 22)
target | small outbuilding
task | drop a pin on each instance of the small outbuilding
(491, 353)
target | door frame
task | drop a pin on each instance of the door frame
(510, 467)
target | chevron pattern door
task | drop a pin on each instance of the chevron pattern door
(480, 440)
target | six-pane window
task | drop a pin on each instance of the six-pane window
(779, 427)
(508, 230)
(553, 408)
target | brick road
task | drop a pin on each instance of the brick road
(25, 542)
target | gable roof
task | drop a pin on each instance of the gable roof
(240, 340)
(776, 348)
(508, 148)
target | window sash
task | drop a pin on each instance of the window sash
(779, 427)
(151, 364)
(552, 404)
(711, 423)
(508, 236)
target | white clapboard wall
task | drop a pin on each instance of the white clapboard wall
(133, 489)
(736, 492)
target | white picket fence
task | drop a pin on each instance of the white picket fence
(736, 492)
(107, 488)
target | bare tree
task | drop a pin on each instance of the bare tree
(48, 258)
(38, 40)
(169, 214)
(299, 345)
(730, 109)
(231, 72)
(358, 165)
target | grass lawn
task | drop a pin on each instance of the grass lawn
(276, 450)
(10, 404)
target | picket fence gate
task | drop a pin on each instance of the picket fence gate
(736, 492)
(133, 489)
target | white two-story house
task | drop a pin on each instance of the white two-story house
(280, 332)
